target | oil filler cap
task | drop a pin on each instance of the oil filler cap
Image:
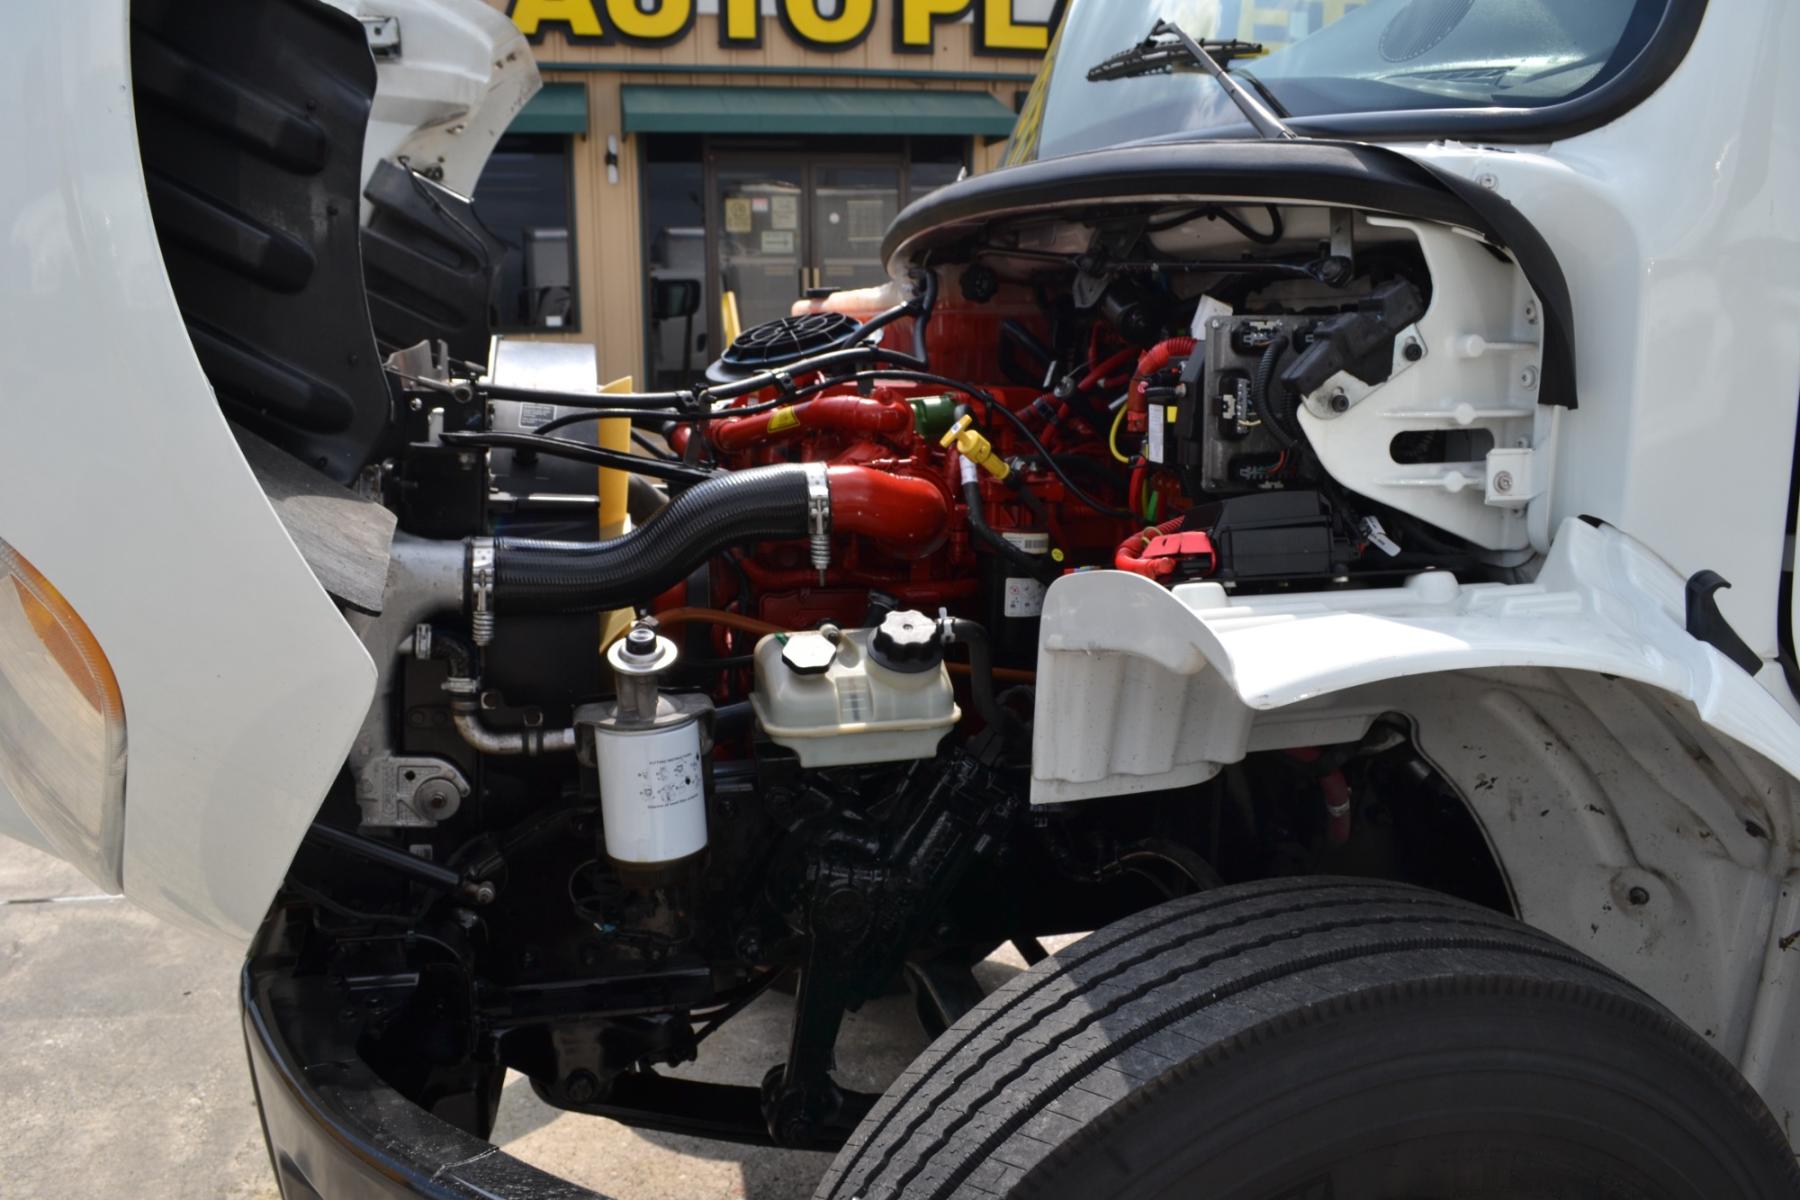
(907, 642)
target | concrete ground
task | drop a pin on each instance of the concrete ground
(124, 1073)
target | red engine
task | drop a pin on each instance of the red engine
(942, 498)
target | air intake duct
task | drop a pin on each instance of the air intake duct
(512, 575)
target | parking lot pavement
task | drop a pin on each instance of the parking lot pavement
(120, 1048)
(125, 1075)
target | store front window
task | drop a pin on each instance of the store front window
(737, 230)
(524, 199)
(675, 257)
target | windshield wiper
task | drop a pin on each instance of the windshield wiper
(1155, 54)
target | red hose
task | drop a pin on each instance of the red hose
(1093, 377)
(901, 510)
(1126, 559)
(1137, 407)
(1336, 791)
(851, 414)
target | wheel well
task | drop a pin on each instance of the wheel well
(1374, 808)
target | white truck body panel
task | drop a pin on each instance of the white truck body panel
(120, 480)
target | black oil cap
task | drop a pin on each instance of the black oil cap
(908, 642)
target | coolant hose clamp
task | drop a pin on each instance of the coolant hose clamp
(481, 590)
(818, 516)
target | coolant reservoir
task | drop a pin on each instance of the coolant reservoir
(844, 698)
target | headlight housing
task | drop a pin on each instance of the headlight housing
(62, 723)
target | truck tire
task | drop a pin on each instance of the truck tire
(1317, 1039)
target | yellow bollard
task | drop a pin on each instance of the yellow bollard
(614, 434)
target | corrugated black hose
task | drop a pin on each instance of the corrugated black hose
(1261, 401)
(727, 510)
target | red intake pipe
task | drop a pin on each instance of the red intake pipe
(848, 414)
(901, 510)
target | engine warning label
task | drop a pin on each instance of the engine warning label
(669, 782)
(1024, 598)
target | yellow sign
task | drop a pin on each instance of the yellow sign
(998, 29)
(737, 214)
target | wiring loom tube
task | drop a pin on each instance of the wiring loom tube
(1261, 401)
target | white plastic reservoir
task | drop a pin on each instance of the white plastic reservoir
(829, 701)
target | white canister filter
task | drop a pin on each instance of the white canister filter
(652, 794)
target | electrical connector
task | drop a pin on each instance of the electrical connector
(975, 448)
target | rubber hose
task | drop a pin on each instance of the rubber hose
(727, 510)
(451, 648)
(925, 304)
(1260, 383)
(981, 677)
(1034, 566)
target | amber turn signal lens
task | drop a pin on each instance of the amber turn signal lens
(62, 722)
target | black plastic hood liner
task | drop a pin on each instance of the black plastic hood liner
(251, 116)
(431, 266)
(1352, 174)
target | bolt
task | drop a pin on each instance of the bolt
(1503, 482)
(1531, 312)
(1412, 351)
(1638, 896)
(581, 1087)
(416, 404)
(1528, 378)
(1340, 402)
(1488, 180)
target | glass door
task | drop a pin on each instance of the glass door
(782, 224)
(852, 206)
(757, 215)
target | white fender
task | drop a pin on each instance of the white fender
(1142, 687)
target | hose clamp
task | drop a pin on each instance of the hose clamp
(818, 516)
(481, 590)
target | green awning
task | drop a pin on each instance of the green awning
(559, 108)
(652, 109)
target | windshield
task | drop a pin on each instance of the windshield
(1326, 57)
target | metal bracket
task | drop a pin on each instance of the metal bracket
(1343, 234)
(818, 517)
(411, 792)
(1512, 476)
(481, 590)
(384, 36)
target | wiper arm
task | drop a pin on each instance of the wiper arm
(1154, 54)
